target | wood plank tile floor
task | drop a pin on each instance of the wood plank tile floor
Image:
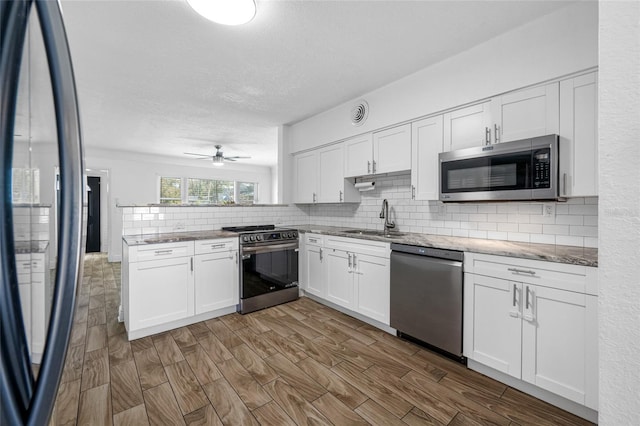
(295, 364)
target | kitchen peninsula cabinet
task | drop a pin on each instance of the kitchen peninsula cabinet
(169, 285)
(534, 321)
(216, 272)
(385, 151)
(426, 144)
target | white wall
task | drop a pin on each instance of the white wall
(619, 274)
(552, 46)
(134, 180)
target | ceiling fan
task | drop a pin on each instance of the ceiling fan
(218, 158)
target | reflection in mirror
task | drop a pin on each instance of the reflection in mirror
(34, 160)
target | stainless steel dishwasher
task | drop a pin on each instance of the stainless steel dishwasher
(426, 296)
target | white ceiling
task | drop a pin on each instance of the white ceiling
(154, 77)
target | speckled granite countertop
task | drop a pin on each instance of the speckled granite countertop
(36, 246)
(175, 237)
(553, 253)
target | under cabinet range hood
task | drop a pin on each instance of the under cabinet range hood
(520, 170)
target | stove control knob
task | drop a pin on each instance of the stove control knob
(259, 237)
(283, 235)
(295, 235)
(253, 238)
(290, 235)
(245, 238)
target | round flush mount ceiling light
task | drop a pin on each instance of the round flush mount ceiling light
(226, 12)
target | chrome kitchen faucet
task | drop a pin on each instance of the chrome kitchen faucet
(384, 214)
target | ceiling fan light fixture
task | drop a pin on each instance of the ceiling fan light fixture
(226, 12)
(218, 160)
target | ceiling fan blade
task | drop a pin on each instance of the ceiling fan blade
(229, 159)
(235, 157)
(200, 155)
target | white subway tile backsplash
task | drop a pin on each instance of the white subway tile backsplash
(575, 222)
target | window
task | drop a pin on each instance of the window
(206, 191)
(246, 192)
(170, 190)
(209, 191)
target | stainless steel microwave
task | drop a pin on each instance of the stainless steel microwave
(520, 170)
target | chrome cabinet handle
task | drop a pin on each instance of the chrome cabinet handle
(526, 303)
(515, 288)
(374, 167)
(349, 254)
(413, 192)
(340, 196)
(368, 167)
(321, 254)
(496, 133)
(354, 261)
(191, 264)
(521, 271)
(487, 136)
(314, 197)
(236, 258)
(163, 251)
(564, 184)
(213, 246)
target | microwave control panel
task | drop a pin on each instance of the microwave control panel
(541, 168)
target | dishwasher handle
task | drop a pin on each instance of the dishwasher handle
(452, 255)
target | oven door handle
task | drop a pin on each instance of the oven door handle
(269, 248)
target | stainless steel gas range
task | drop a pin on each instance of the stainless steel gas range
(269, 267)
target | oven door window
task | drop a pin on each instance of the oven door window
(496, 173)
(266, 272)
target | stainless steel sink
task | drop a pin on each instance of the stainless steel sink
(374, 233)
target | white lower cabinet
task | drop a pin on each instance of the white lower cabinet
(348, 272)
(170, 285)
(160, 291)
(214, 278)
(33, 285)
(535, 321)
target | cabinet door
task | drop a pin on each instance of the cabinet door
(426, 144)
(497, 326)
(467, 127)
(331, 176)
(392, 150)
(306, 176)
(579, 136)
(160, 291)
(526, 113)
(372, 286)
(314, 275)
(216, 281)
(358, 154)
(339, 276)
(556, 343)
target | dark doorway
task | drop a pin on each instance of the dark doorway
(93, 215)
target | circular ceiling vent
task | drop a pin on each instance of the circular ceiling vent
(359, 113)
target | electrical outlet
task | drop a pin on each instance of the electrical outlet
(548, 210)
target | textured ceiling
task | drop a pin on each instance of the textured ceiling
(154, 77)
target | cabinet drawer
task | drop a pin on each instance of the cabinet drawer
(160, 251)
(356, 245)
(581, 279)
(314, 240)
(216, 246)
(28, 263)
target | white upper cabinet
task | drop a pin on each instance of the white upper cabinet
(579, 136)
(392, 150)
(306, 176)
(320, 178)
(358, 155)
(467, 127)
(516, 115)
(525, 113)
(386, 151)
(426, 144)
